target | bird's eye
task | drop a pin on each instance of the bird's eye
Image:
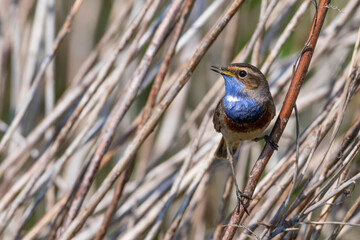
(242, 73)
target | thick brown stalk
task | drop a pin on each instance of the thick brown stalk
(284, 115)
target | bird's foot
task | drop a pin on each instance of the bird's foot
(239, 196)
(269, 140)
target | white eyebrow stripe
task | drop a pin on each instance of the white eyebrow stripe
(254, 73)
(257, 74)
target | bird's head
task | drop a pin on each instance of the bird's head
(243, 79)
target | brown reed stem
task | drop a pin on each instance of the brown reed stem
(284, 115)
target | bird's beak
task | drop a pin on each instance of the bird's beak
(216, 69)
(221, 70)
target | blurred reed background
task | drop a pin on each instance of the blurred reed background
(106, 119)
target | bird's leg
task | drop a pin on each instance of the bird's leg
(269, 140)
(239, 194)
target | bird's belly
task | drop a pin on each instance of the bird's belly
(237, 136)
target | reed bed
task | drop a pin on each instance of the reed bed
(106, 119)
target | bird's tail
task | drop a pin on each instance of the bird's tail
(221, 151)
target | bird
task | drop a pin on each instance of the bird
(243, 113)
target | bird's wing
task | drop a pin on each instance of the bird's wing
(217, 116)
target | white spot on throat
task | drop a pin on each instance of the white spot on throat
(231, 98)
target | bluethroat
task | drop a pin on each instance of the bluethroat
(243, 113)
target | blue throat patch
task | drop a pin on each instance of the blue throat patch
(238, 106)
